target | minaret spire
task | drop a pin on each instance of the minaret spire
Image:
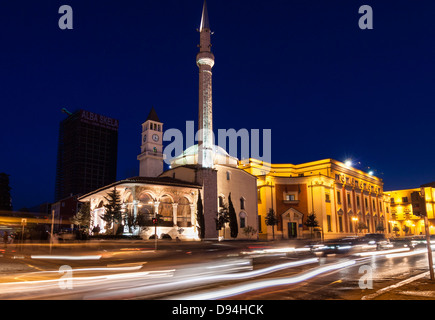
(205, 23)
(205, 62)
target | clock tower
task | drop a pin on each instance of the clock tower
(151, 157)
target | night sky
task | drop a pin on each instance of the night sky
(302, 68)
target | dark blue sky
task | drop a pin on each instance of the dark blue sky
(302, 68)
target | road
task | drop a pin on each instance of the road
(199, 271)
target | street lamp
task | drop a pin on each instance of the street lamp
(355, 220)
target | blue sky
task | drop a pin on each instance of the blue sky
(303, 69)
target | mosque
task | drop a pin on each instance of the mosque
(203, 171)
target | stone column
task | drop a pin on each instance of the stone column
(193, 215)
(174, 213)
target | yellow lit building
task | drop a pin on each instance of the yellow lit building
(343, 199)
(406, 207)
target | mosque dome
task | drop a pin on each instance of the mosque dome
(190, 157)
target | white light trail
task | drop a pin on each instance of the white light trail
(383, 252)
(174, 285)
(239, 289)
(406, 254)
(76, 258)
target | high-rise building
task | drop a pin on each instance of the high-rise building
(87, 153)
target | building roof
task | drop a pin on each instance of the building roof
(153, 115)
(431, 184)
(166, 181)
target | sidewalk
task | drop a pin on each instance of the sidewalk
(419, 287)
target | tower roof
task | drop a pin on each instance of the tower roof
(205, 22)
(153, 115)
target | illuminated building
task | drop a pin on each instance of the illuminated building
(408, 205)
(342, 198)
(204, 168)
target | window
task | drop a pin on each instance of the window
(374, 204)
(221, 202)
(242, 217)
(259, 223)
(392, 200)
(380, 206)
(290, 197)
(338, 197)
(357, 201)
(405, 199)
(228, 175)
(242, 203)
(327, 197)
(259, 195)
(348, 200)
(340, 223)
(328, 218)
(367, 203)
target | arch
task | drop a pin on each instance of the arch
(146, 208)
(166, 196)
(166, 211)
(184, 214)
(146, 194)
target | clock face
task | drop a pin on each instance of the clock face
(155, 137)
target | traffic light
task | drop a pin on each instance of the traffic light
(157, 220)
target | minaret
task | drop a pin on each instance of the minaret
(206, 175)
(205, 62)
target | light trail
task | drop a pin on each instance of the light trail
(74, 258)
(379, 253)
(239, 289)
(194, 279)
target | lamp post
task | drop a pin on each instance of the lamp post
(426, 225)
(355, 220)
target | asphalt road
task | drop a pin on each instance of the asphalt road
(198, 271)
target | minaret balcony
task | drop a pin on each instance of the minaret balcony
(205, 58)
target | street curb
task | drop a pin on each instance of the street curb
(395, 286)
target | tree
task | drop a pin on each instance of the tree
(249, 231)
(83, 217)
(223, 217)
(380, 228)
(272, 220)
(234, 226)
(312, 222)
(200, 217)
(112, 213)
(406, 229)
(362, 226)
